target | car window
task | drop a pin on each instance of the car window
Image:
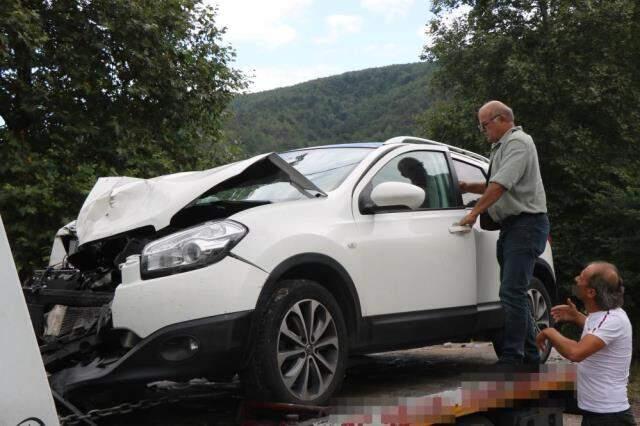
(425, 169)
(468, 173)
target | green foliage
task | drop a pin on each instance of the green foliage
(569, 70)
(634, 383)
(367, 105)
(103, 87)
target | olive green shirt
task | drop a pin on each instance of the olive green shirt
(514, 165)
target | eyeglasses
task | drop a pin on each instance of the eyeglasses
(483, 124)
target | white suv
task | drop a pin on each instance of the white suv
(275, 268)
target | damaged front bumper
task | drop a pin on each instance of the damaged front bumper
(71, 324)
(209, 347)
(145, 331)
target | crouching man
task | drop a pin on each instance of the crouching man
(603, 353)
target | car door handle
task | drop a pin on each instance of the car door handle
(459, 229)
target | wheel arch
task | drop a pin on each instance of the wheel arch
(543, 271)
(327, 272)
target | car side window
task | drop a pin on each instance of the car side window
(468, 173)
(427, 170)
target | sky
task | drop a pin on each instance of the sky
(284, 42)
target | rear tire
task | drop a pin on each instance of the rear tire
(300, 346)
(540, 306)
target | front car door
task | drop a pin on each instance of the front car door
(418, 271)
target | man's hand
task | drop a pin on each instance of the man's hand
(464, 186)
(570, 349)
(469, 219)
(490, 196)
(567, 312)
(542, 340)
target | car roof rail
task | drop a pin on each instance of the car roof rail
(413, 139)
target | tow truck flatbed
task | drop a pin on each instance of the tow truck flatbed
(442, 384)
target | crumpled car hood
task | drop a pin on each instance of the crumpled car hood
(119, 204)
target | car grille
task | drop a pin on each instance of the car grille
(63, 320)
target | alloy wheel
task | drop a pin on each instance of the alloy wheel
(308, 349)
(539, 310)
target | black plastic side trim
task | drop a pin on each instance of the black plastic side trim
(420, 328)
(415, 329)
(490, 317)
(302, 258)
(353, 317)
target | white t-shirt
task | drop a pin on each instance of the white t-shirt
(603, 377)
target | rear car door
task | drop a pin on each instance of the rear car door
(488, 271)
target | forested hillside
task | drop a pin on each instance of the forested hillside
(367, 105)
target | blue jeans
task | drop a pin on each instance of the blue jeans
(522, 239)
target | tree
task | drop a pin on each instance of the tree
(103, 87)
(569, 70)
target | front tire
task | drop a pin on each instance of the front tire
(300, 346)
(540, 307)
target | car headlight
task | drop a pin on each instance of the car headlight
(191, 249)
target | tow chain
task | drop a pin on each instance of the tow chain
(145, 404)
(124, 408)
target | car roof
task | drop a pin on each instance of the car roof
(402, 139)
(371, 145)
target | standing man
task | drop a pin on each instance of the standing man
(514, 197)
(604, 351)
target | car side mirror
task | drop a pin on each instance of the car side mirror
(397, 194)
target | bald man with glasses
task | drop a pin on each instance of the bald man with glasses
(514, 197)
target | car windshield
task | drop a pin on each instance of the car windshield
(325, 167)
